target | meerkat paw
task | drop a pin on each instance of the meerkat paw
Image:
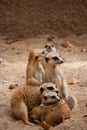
(65, 95)
(29, 123)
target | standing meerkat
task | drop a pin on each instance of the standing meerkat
(27, 97)
(53, 110)
(54, 74)
(35, 71)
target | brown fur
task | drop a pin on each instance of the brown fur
(25, 98)
(34, 71)
(53, 114)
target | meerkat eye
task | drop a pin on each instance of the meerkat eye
(53, 97)
(36, 58)
(41, 90)
(46, 59)
(45, 97)
(55, 58)
(52, 45)
(46, 46)
(50, 88)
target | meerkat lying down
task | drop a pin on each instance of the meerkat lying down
(53, 110)
(27, 97)
(54, 74)
(35, 71)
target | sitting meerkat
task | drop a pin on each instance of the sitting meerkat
(25, 98)
(35, 71)
(54, 74)
(53, 110)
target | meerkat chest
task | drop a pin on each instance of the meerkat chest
(50, 75)
(38, 73)
(57, 75)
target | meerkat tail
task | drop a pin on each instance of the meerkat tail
(71, 101)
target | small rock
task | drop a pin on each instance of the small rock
(73, 81)
(86, 105)
(12, 86)
(1, 59)
(83, 50)
(67, 44)
(50, 38)
(85, 116)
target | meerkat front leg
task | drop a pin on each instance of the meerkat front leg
(20, 111)
(33, 81)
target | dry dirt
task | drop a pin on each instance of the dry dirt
(13, 61)
(26, 18)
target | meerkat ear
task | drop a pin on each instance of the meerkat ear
(41, 90)
(46, 59)
(36, 57)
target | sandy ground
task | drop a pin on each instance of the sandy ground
(13, 61)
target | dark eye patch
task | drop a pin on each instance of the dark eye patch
(41, 90)
(55, 58)
(46, 46)
(36, 57)
(52, 45)
(46, 59)
(45, 97)
(53, 97)
(50, 88)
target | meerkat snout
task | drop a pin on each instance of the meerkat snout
(58, 59)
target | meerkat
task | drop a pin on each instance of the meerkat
(50, 47)
(53, 110)
(25, 98)
(54, 74)
(35, 71)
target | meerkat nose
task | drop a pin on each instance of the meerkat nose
(62, 61)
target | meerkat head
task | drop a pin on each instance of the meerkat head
(48, 87)
(50, 47)
(50, 98)
(53, 58)
(36, 55)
